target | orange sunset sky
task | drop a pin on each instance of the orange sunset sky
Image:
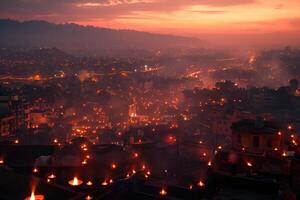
(270, 22)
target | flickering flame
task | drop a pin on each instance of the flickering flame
(75, 181)
(201, 184)
(190, 186)
(209, 163)
(35, 170)
(104, 183)
(52, 176)
(1, 161)
(284, 154)
(88, 197)
(84, 162)
(16, 141)
(163, 192)
(135, 155)
(35, 197)
(114, 166)
(279, 133)
(89, 183)
(249, 164)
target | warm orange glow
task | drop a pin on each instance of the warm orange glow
(89, 183)
(135, 155)
(88, 197)
(35, 197)
(201, 184)
(52, 176)
(104, 183)
(84, 162)
(1, 161)
(35, 170)
(113, 166)
(284, 154)
(75, 181)
(163, 192)
(209, 163)
(17, 141)
(249, 164)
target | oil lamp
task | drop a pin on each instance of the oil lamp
(163, 192)
(35, 197)
(75, 181)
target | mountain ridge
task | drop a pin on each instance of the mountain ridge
(70, 37)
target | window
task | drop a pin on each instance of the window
(255, 141)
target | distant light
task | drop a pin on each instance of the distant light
(163, 192)
(201, 184)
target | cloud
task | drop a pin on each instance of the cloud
(103, 9)
(209, 11)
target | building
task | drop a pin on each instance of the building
(256, 137)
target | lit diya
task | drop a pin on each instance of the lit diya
(88, 197)
(35, 170)
(143, 167)
(1, 161)
(89, 183)
(84, 162)
(201, 184)
(35, 197)
(75, 181)
(163, 192)
(209, 163)
(52, 176)
(104, 183)
(113, 166)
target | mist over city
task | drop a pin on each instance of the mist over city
(149, 99)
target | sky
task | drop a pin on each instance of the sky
(256, 21)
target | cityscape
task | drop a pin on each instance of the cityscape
(133, 99)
